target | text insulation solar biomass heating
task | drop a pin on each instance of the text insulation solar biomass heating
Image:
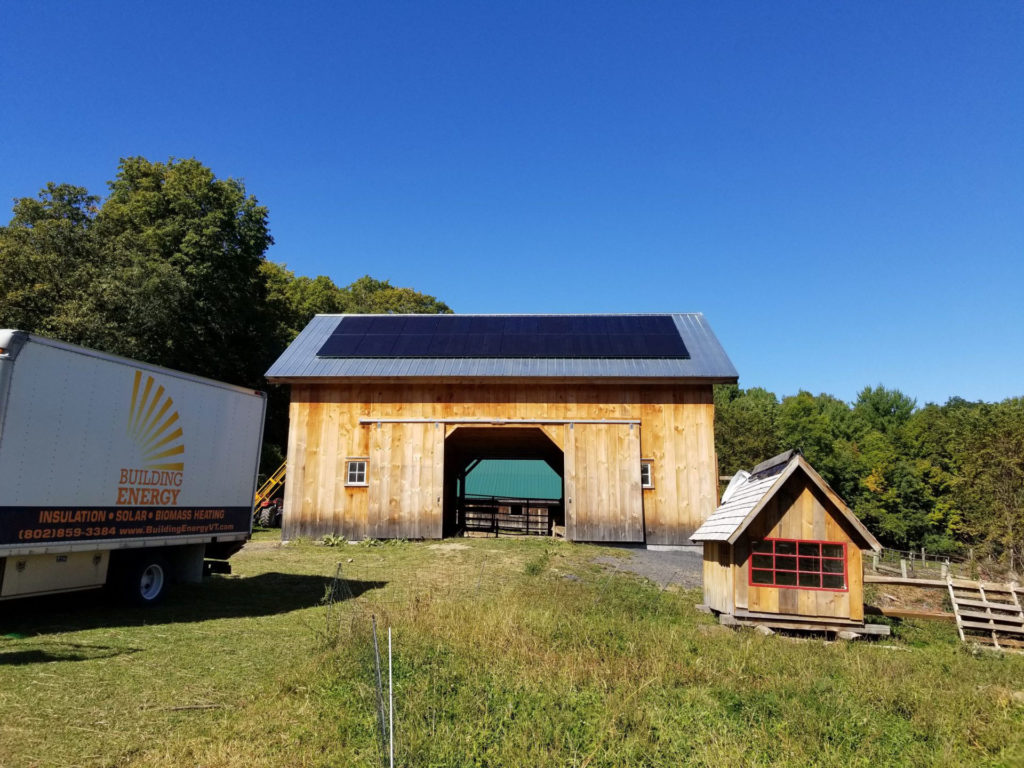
(506, 336)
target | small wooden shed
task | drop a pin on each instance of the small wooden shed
(784, 550)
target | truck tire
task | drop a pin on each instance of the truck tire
(143, 579)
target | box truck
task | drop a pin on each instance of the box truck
(115, 471)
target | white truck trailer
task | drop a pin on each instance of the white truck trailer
(115, 470)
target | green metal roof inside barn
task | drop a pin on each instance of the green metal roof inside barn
(514, 479)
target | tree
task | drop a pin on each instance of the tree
(47, 253)
(369, 296)
(884, 410)
(988, 484)
(184, 251)
(295, 300)
(745, 427)
(166, 270)
(821, 427)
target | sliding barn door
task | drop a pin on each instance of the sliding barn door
(603, 498)
(406, 481)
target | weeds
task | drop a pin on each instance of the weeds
(538, 563)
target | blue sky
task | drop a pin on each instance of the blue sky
(839, 187)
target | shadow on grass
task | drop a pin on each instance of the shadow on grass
(61, 652)
(216, 598)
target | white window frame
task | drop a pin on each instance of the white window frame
(353, 464)
(649, 483)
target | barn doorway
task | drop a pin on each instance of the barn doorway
(502, 481)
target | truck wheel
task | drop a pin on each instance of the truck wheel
(143, 580)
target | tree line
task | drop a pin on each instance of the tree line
(944, 477)
(170, 267)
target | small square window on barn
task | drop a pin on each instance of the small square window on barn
(356, 474)
(646, 474)
(795, 564)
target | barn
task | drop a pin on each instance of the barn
(784, 550)
(390, 413)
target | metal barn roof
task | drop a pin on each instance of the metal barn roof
(515, 479)
(706, 358)
(744, 499)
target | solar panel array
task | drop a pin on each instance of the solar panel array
(506, 336)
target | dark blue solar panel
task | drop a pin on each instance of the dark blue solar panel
(375, 345)
(340, 345)
(513, 336)
(355, 325)
(406, 345)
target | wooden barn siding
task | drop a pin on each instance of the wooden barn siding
(800, 511)
(604, 502)
(406, 502)
(676, 434)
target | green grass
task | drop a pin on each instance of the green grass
(507, 653)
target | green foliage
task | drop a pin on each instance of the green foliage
(165, 270)
(746, 431)
(942, 477)
(47, 254)
(537, 564)
(295, 300)
(369, 296)
(987, 454)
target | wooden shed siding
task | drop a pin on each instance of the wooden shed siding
(676, 433)
(717, 573)
(799, 511)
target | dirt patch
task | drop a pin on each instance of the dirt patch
(681, 567)
(908, 597)
(449, 546)
(261, 546)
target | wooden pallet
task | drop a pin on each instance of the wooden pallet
(988, 614)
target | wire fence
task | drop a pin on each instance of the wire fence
(921, 564)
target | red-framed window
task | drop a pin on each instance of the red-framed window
(798, 564)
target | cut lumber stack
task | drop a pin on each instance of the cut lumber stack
(988, 614)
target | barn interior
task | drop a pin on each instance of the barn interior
(519, 505)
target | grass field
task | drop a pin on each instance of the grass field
(507, 653)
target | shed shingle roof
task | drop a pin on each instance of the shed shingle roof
(743, 501)
(707, 360)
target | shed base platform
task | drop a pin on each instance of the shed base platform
(803, 624)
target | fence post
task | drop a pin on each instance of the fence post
(903, 567)
(945, 569)
(874, 562)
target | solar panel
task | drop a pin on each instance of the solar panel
(506, 336)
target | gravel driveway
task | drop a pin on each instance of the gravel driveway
(678, 566)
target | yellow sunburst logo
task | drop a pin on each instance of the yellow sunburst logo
(153, 425)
